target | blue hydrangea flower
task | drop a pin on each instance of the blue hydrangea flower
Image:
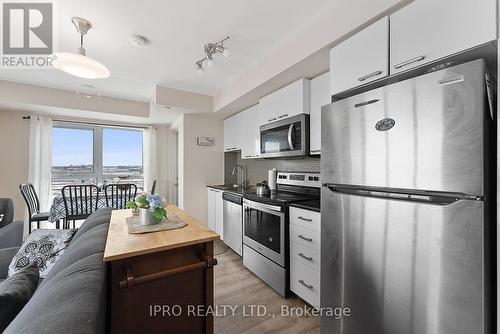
(154, 202)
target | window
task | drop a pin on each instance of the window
(122, 155)
(94, 154)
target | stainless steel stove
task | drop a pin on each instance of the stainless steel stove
(265, 227)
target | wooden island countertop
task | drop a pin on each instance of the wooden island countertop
(120, 244)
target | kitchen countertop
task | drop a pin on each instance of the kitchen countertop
(234, 190)
(120, 244)
(313, 205)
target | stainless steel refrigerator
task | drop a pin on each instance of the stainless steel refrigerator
(404, 214)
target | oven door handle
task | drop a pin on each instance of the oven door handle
(290, 140)
(257, 205)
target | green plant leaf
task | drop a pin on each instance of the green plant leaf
(159, 213)
(141, 201)
(131, 205)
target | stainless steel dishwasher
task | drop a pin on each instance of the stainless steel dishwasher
(233, 221)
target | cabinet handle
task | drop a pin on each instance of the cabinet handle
(231, 148)
(310, 287)
(368, 76)
(272, 119)
(304, 238)
(305, 257)
(284, 115)
(315, 151)
(408, 62)
(305, 219)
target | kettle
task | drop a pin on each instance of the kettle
(263, 189)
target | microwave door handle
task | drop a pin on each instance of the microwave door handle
(290, 140)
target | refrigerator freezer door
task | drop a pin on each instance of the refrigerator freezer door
(402, 267)
(425, 133)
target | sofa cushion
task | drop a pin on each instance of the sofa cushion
(15, 292)
(92, 243)
(6, 256)
(43, 247)
(101, 216)
(73, 301)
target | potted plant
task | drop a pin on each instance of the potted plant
(150, 207)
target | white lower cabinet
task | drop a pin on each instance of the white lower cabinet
(305, 257)
(216, 211)
(304, 282)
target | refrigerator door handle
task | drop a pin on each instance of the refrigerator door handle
(422, 196)
(362, 104)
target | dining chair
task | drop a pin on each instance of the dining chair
(117, 195)
(80, 201)
(153, 188)
(32, 202)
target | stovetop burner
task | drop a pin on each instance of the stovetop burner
(291, 188)
(277, 197)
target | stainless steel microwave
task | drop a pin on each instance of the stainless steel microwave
(285, 138)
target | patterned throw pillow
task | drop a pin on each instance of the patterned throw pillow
(1, 217)
(43, 247)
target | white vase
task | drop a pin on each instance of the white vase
(146, 218)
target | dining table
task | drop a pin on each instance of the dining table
(57, 210)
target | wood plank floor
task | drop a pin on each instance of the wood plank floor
(237, 286)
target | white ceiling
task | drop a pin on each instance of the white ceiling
(178, 29)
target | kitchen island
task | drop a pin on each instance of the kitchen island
(158, 279)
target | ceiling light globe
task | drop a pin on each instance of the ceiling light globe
(200, 71)
(80, 66)
(210, 63)
(226, 52)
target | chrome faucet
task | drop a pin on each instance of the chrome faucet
(243, 176)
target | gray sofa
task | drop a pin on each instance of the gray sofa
(72, 297)
(11, 233)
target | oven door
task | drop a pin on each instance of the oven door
(264, 230)
(288, 137)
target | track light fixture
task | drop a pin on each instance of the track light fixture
(210, 49)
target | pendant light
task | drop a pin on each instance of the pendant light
(78, 64)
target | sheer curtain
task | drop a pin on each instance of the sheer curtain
(150, 159)
(40, 159)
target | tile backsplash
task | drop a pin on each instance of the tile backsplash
(257, 168)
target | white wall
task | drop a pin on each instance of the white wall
(199, 166)
(14, 152)
(162, 153)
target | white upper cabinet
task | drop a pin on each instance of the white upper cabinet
(289, 101)
(269, 108)
(427, 30)
(293, 99)
(232, 134)
(320, 96)
(360, 59)
(251, 119)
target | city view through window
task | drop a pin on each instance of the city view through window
(96, 155)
